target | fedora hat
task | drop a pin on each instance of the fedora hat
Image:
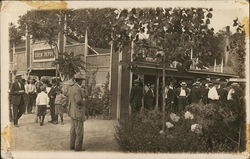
(79, 76)
(137, 81)
(18, 76)
(197, 83)
(183, 84)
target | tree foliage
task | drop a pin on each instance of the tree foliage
(69, 65)
(173, 30)
(238, 47)
(15, 34)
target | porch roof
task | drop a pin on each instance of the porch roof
(149, 68)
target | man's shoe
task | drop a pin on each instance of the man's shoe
(16, 125)
(78, 150)
(55, 122)
(51, 121)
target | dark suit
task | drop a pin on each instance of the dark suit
(136, 95)
(17, 100)
(52, 97)
(182, 100)
(196, 95)
(222, 92)
(170, 100)
(149, 99)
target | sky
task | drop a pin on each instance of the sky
(223, 14)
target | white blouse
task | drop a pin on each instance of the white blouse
(42, 99)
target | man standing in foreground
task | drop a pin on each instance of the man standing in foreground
(17, 100)
(77, 113)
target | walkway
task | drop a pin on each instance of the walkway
(29, 136)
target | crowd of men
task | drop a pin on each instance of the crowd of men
(36, 96)
(178, 96)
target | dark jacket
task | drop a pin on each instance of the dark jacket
(52, 95)
(16, 95)
(222, 92)
(170, 95)
(77, 106)
(178, 91)
(149, 99)
(136, 95)
(195, 95)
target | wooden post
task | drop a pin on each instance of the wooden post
(157, 92)
(131, 75)
(143, 92)
(163, 93)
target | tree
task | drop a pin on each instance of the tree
(97, 21)
(15, 34)
(44, 24)
(174, 30)
(69, 65)
(237, 48)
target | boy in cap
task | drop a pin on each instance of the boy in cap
(60, 101)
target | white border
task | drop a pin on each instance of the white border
(14, 7)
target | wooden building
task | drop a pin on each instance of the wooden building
(123, 72)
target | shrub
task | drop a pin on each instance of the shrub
(217, 130)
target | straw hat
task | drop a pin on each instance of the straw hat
(183, 84)
(197, 83)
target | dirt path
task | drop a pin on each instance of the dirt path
(98, 135)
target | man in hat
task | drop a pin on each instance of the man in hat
(196, 92)
(149, 97)
(182, 94)
(17, 100)
(169, 98)
(52, 96)
(212, 94)
(76, 112)
(222, 91)
(233, 93)
(135, 98)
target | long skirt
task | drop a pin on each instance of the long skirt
(41, 110)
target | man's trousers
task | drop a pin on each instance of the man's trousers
(18, 111)
(76, 134)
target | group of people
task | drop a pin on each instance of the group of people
(41, 95)
(177, 97)
(36, 96)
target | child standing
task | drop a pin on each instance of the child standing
(60, 102)
(42, 101)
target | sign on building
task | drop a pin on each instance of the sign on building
(43, 55)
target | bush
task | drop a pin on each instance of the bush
(219, 131)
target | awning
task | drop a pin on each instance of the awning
(44, 72)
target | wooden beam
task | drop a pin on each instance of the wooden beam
(157, 92)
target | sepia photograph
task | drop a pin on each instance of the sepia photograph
(125, 79)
